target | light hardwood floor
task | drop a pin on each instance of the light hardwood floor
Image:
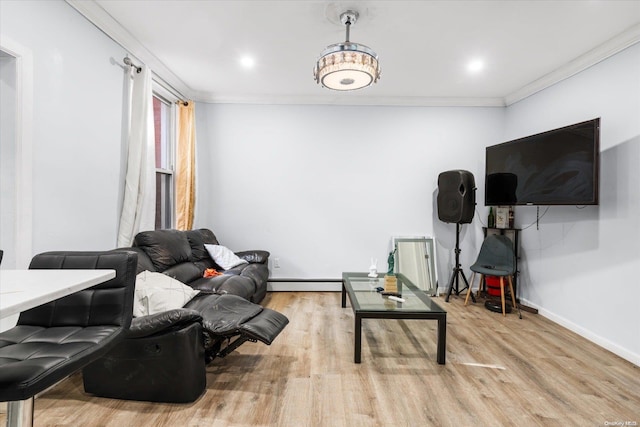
(499, 372)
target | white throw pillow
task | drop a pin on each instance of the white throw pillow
(157, 292)
(224, 257)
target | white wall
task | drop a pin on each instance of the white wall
(581, 267)
(77, 113)
(324, 188)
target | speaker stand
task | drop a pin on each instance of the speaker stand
(454, 282)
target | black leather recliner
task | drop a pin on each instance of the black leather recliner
(52, 341)
(164, 355)
(162, 360)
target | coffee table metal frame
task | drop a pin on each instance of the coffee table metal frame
(435, 313)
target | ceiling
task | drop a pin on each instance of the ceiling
(424, 47)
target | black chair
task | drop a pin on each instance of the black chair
(52, 341)
(496, 258)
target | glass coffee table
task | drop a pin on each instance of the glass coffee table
(367, 303)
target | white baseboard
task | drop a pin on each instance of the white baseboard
(596, 339)
(304, 287)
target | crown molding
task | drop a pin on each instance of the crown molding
(396, 101)
(95, 14)
(607, 49)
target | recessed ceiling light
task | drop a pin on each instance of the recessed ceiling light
(475, 66)
(247, 62)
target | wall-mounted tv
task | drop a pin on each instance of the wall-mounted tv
(557, 167)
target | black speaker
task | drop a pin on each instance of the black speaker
(456, 196)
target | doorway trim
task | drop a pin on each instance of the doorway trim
(24, 149)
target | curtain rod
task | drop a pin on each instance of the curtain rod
(159, 79)
(130, 63)
(167, 86)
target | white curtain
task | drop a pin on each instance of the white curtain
(138, 209)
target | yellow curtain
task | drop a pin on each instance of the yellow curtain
(186, 166)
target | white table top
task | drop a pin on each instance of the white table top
(21, 290)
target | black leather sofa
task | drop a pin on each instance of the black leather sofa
(183, 256)
(163, 356)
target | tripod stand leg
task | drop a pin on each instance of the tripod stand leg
(450, 288)
(467, 286)
(455, 280)
(457, 270)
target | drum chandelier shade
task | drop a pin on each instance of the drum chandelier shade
(347, 65)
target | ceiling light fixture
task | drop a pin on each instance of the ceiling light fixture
(347, 65)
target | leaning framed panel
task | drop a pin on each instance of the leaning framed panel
(366, 303)
(415, 259)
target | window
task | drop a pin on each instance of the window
(164, 118)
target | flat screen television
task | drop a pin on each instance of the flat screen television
(557, 167)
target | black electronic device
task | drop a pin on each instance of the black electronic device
(456, 196)
(557, 167)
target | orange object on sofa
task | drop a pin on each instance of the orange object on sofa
(212, 272)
